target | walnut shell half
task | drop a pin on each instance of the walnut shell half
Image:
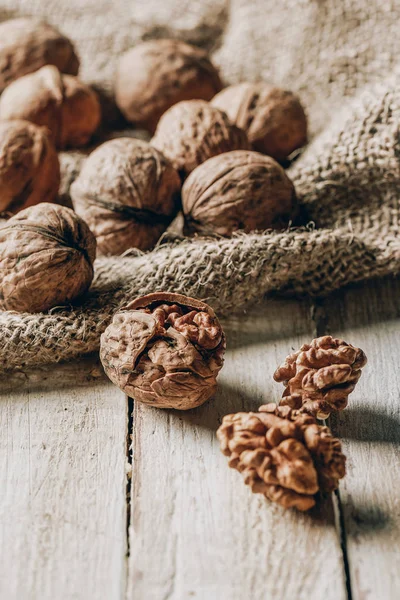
(27, 44)
(239, 190)
(159, 73)
(69, 108)
(164, 349)
(46, 258)
(29, 166)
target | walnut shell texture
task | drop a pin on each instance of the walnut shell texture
(46, 258)
(274, 119)
(164, 349)
(69, 108)
(157, 74)
(191, 132)
(27, 44)
(239, 190)
(282, 454)
(319, 377)
(128, 193)
(29, 166)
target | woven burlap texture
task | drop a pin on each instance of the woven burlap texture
(342, 58)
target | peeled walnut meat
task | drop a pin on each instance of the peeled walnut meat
(239, 190)
(157, 74)
(29, 166)
(46, 258)
(164, 349)
(274, 119)
(28, 44)
(319, 377)
(191, 132)
(66, 106)
(128, 193)
(282, 454)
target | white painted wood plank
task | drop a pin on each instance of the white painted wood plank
(196, 529)
(62, 489)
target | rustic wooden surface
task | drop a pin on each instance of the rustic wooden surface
(104, 499)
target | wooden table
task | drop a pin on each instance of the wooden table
(104, 499)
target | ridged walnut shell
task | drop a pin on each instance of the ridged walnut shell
(165, 350)
(46, 258)
(28, 44)
(274, 119)
(128, 193)
(240, 190)
(66, 106)
(157, 74)
(191, 132)
(29, 166)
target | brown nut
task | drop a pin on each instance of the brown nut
(274, 119)
(319, 377)
(282, 454)
(159, 73)
(164, 349)
(27, 44)
(128, 193)
(240, 190)
(46, 258)
(62, 103)
(29, 167)
(191, 132)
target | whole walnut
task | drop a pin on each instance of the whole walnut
(46, 258)
(237, 190)
(164, 349)
(128, 193)
(159, 73)
(282, 454)
(191, 132)
(29, 167)
(320, 376)
(27, 44)
(274, 119)
(68, 107)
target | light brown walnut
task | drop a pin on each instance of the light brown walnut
(157, 74)
(239, 190)
(165, 350)
(46, 258)
(319, 377)
(282, 454)
(191, 132)
(274, 119)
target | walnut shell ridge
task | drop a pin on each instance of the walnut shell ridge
(28, 44)
(239, 190)
(274, 119)
(156, 74)
(29, 166)
(128, 193)
(66, 106)
(46, 258)
(165, 350)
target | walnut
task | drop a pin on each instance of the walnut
(274, 119)
(29, 167)
(28, 44)
(282, 454)
(128, 193)
(46, 258)
(164, 349)
(68, 107)
(191, 132)
(237, 190)
(159, 73)
(320, 376)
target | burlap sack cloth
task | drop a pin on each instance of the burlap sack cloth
(342, 57)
